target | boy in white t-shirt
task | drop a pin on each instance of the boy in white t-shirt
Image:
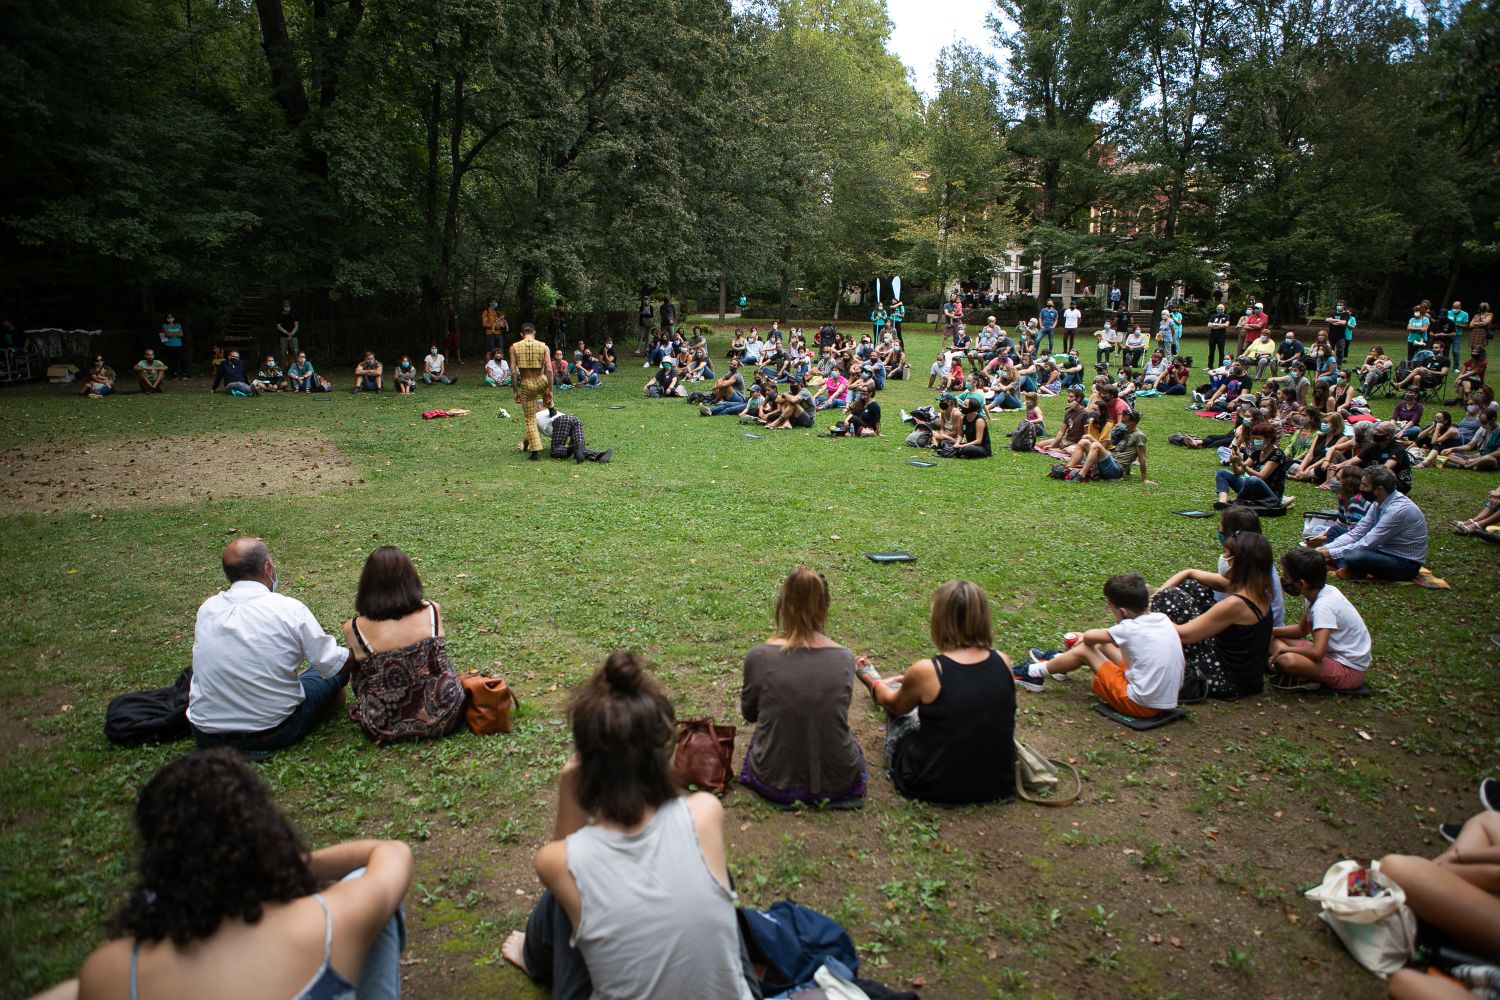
(1330, 646)
(1138, 664)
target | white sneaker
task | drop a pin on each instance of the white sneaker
(906, 417)
(504, 413)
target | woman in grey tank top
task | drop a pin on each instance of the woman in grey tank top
(638, 903)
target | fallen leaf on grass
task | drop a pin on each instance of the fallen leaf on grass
(1364, 735)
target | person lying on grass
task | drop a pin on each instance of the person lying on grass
(1137, 662)
(638, 900)
(1330, 646)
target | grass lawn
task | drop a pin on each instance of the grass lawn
(1177, 874)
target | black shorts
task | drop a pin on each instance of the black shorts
(803, 419)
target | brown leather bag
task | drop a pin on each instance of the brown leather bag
(488, 703)
(703, 756)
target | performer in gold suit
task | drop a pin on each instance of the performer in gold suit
(531, 384)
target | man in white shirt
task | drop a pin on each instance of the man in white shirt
(437, 367)
(1072, 316)
(247, 646)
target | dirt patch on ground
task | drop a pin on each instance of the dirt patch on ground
(168, 470)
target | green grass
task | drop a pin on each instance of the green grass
(676, 550)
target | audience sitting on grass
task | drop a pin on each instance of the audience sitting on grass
(1330, 646)
(1314, 465)
(1352, 507)
(369, 374)
(1137, 662)
(435, 367)
(404, 687)
(1074, 422)
(973, 434)
(496, 370)
(150, 374)
(228, 895)
(1226, 641)
(231, 375)
(1481, 452)
(248, 645)
(1389, 542)
(301, 376)
(406, 376)
(794, 408)
(862, 419)
(950, 719)
(270, 376)
(796, 691)
(1092, 459)
(638, 900)
(1257, 470)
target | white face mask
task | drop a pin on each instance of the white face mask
(1223, 564)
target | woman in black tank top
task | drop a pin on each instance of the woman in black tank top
(1239, 625)
(950, 727)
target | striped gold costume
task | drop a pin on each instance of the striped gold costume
(533, 388)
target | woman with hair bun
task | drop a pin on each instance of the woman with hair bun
(638, 900)
(951, 719)
(228, 904)
(796, 691)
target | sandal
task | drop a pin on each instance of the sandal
(1468, 527)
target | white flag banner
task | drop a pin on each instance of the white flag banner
(896, 288)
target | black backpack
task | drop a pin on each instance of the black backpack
(155, 716)
(1023, 438)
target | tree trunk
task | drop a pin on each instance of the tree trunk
(449, 243)
(723, 299)
(1453, 268)
(838, 297)
(526, 296)
(786, 282)
(1381, 310)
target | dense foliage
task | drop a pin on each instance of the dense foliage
(376, 158)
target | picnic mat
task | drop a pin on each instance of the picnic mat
(1424, 579)
(1057, 453)
(1140, 725)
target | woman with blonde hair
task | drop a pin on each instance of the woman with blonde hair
(951, 718)
(796, 691)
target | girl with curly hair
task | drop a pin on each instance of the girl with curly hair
(228, 906)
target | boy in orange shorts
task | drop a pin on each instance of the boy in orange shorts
(1137, 662)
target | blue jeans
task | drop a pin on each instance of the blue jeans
(1006, 401)
(1108, 468)
(1379, 565)
(1243, 487)
(319, 696)
(380, 972)
(1046, 331)
(734, 404)
(1174, 390)
(428, 377)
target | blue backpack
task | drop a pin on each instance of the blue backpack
(789, 942)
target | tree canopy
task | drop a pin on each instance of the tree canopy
(393, 155)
